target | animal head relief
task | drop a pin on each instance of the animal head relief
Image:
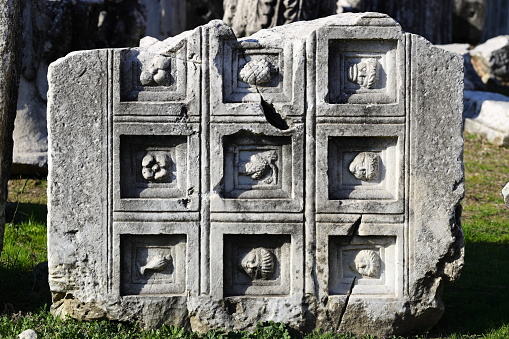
(364, 73)
(259, 263)
(156, 263)
(366, 263)
(365, 166)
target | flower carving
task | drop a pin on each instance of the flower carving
(259, 263)
(157, 73)
(155, 167)
(261, 166)
(257, 72)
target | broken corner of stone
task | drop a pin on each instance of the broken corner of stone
(309, 174)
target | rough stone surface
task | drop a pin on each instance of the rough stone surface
(472, 81)
(487, 114)
(10, 24)
(309, 174)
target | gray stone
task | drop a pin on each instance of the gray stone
(430, 18)
(166, 18)
(10, 25)
(310, 174)
(491, 61)
(505, 194)
(472, 81)
(28, 334)
(247, 17)
(487, 114)
(468, 20)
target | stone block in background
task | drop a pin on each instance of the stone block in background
(468, 21)
(310, 174)
(491, 62)
(10, 32)
(51, 29)
(487, 114)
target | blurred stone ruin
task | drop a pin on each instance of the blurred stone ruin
(54, 28)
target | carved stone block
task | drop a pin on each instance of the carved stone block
(256, 168)
(257, 264)
(155, 168)
(362, 72)
(258, 259)
(309, 174)
(363, 168)
(153, 264)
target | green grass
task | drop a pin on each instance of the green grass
(476, 305)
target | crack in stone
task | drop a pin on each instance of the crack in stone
(354, 229)
(343, 310)
(273, 117)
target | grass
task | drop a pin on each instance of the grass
(476, 305)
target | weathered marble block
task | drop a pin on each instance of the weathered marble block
(10, 32)
(310, 174)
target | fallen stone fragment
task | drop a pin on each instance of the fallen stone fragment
(487, 114)
(505, 193)
(28, 334)
(491, 61)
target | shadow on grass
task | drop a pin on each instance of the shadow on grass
(19, 212)
(26, 291)
(479, 301)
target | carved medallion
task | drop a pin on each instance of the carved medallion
(261, 166)
(259, 263)
(157, 73)
(366, 263)
(156, 167)
(156, 263)
(365, 166)
(257, 72)
(364, 73)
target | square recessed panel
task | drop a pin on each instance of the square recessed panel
(364, 168)
(362, 72)
(156, 167)
(248, 71)
(153, 264)
(257, 264)
(360, 168)
(362, 265)
(257, 167)
(153, 166)
(154, 77)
